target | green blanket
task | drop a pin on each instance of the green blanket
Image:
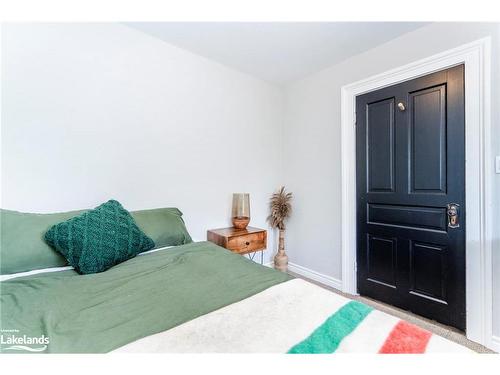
(145, 295)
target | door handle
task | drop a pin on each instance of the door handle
(453, 211)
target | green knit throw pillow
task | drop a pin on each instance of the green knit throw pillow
(99, 239)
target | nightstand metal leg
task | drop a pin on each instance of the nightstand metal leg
(251, 256)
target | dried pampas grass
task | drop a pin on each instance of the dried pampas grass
(281, 208)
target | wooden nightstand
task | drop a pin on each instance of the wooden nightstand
(241, 241)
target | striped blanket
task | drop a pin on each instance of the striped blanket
(295, 317)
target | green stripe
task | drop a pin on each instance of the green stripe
(327, 337)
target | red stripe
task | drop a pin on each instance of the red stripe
(406, 338)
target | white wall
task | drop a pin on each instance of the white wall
(100, 112)
(311, 155)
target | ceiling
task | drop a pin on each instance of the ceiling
(278, 52)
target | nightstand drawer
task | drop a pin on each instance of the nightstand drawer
(247, 243)
(240, 241)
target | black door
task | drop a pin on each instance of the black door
(410, 141)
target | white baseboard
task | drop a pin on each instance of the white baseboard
(316, 276)
(495, 343)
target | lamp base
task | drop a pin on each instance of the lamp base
(240, 222)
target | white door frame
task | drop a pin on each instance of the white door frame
(477, 59)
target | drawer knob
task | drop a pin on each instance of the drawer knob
(247, 243)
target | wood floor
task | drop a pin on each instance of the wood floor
(447, 332)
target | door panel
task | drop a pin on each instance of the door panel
(427, 128)
(410, 141)
(407, 216)
(381, 260)
(380, 146)
(427, 270)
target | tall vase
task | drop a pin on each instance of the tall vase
(281, 259)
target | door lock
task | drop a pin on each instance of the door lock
(452, 211)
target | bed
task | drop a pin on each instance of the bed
(197, 298)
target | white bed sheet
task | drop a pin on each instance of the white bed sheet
(59, 269)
